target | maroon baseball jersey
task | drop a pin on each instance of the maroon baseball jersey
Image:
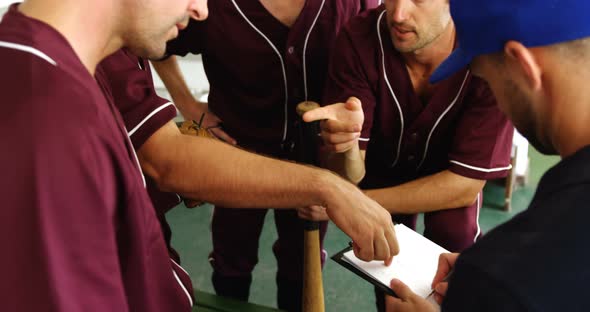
(460, 128)
(127, 81)
(81, 234)
(259, 69)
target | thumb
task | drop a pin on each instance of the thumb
(401, 290)
(441, 288)
(353, 104)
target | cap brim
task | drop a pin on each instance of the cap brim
(454, 63)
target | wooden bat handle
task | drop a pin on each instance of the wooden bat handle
(313, 289)
(305, 107)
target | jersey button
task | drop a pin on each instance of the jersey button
(411, 158)
(414, 136)
(291, 50)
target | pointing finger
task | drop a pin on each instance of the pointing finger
(326, 112)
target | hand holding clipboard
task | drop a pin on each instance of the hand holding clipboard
(416, 265)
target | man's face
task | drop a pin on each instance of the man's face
(514, 102)
(414, 24)
(152, 23)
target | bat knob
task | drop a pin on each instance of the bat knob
(306, 106)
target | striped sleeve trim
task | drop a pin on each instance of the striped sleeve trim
(154, 112)
(480, 168)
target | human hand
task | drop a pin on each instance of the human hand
(446, 262)
(364, 220)
(198, 112)
(407, 300)
(340, 124)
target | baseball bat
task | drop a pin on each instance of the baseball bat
(307, 152)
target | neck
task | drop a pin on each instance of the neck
(429, 57)
(85, 25)
(569, 109)
(572, 131)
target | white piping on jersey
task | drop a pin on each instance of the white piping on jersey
(178, 265)
(157, 110)
(478, 207)
(190, 300)
(28, 49)
(365, 140)
(481, 169)
(136, 160)
(305, 48)
(130, 134)
(441, 117)
(282, 65)
(401, 115)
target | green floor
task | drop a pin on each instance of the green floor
(343, 290)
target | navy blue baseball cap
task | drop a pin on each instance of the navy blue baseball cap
(484, 26)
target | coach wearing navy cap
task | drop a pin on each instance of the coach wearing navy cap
(535, 54)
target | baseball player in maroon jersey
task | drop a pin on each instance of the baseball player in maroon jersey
(261, 58)
(422, 147)
(81, 232)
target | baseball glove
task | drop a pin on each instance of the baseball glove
(191, 127)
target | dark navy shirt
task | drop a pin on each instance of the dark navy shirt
(539, 260)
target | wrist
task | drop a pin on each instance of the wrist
(329, 187)
(354, 152)
(320, 187)
(189, 106)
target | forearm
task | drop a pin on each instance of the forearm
(192, 167)
(440, 191)
(224, 175)
(350, 164)
(170, 73)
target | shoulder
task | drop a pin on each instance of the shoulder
(344, 8)
(32, 79)
(360, 33)
(127, 78)
(365, 23)
(48, 97)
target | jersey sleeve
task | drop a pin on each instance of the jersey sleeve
(130, 81)
(346, 78)
(483, 137)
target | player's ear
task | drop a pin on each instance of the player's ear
(523, 62)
